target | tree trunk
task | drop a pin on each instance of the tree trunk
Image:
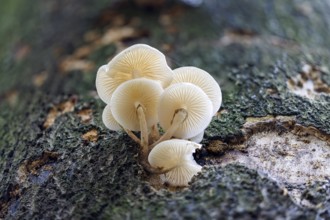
(265, 155)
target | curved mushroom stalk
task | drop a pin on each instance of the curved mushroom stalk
(111, 123)
(143, 131)
(132, 135)
(134, 106)
(179, 117)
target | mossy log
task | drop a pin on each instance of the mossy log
(265, 155)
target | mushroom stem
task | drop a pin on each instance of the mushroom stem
(179, 117)
(132, 135)
(154, 134)
(144, 131)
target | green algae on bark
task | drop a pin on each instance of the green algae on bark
(232, 192)
(266, 93)
(252, 49)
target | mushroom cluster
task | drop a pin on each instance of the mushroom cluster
(142, 93)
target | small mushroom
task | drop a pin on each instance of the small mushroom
(109, 121)
(137, 61)
(134, 106)
(184, 111)
(201, 79)
(104, 84)
(175, 156)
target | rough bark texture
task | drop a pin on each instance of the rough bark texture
(57, 160)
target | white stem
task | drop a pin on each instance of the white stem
(154, 134)
(179, 117)
(132, 135)
(144, 131)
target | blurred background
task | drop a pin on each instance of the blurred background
(55, 47)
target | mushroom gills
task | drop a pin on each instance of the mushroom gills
(176, 157)
(184, 111)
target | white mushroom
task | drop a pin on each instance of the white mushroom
(176, 157)
(134, 106)
(104, 84)
(184, 111)
(137, 61)
(109, 121)
(201, 79)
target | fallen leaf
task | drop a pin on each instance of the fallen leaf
(57, 110)
(91, 36)
(90, 136)
(239, 36)
(71, 64)
(22, 52)
(39, 79)
(52, 115)
(34, 165)
(12, 97)
(83, 52)
(117, 34)
(85, 115)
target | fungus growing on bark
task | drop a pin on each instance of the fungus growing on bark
(176, 157)
(103, 84)
(201, 79)
(184, 111)
(134, 106)
(133, 84)
(137, 61)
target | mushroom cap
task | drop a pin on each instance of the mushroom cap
(104, 84)
(129, 95)
(109, 121)
(191, 98)
(175, 154)
(198, 138)
(137, 61)
(201, 79)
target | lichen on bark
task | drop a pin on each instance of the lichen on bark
(72, 167)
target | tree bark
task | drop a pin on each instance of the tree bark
(265, 154)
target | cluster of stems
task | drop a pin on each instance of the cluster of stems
(149, 139)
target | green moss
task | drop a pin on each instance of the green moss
(211, 195)
(253, 100)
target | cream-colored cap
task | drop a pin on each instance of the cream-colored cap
(191, 98)
(175, 155)
(104, 84)
(201, 79)
(137, 61)
(108, 119)
(129, 95)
